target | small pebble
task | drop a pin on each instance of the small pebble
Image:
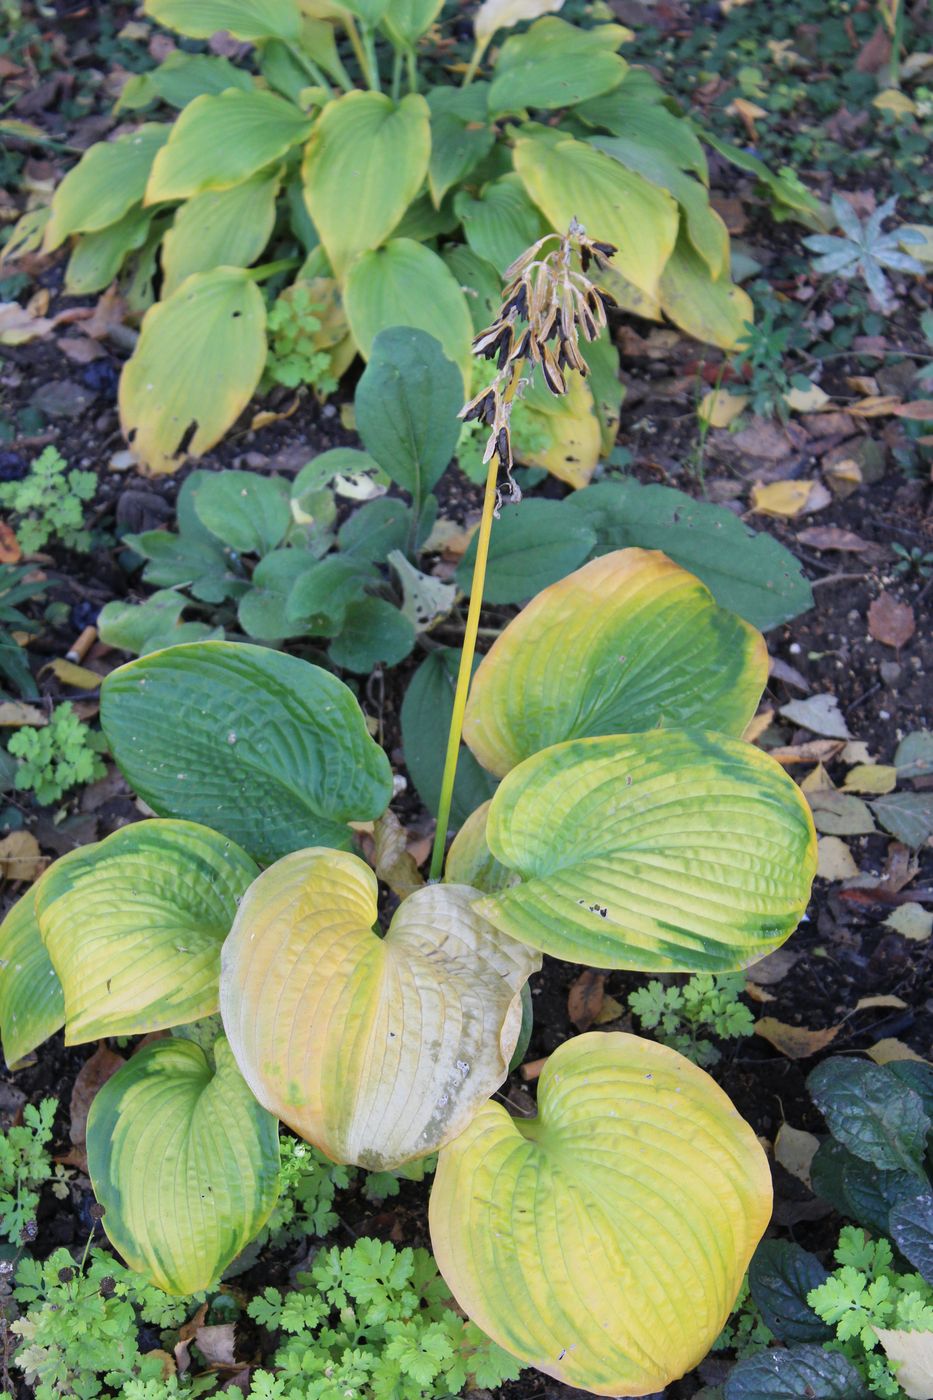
(890, 672)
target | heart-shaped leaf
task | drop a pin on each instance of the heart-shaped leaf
(627, 643)
(244, 19)
(670, 851)
(133, 926)
(268, 749)
(556, 64)
(878, 1118)
(107, 181)
(184, 1161)
(220, 228)
(604, 1241)
(199, 357)
(375, 1049)
(365, 162)
(249, 512)
(32, 1005)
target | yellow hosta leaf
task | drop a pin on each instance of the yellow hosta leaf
(714, 310)
(470, 861)
(567, 437)
(604, 1241)
(365, 162)
(569, 179)
(781, 498)
(198, 360)
(670, 851)
(184, 1161)
(375, 1049)
(244, 19)
(628, 642)
(133, 926)
(719, 408)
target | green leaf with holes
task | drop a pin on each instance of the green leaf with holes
(268, 749)
(184, 1161)
(133, 926)
(669, 851)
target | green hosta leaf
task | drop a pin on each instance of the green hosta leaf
(478, 280)
(405, 284)
(406, 405)
(501, 222)
(32, 1004)
(263, 611)
(97, 257)
(199, 358)
(911, 1228)
(586, 1240)
(715, 311)
(532, 545)
(425, 717)
(872, 1113)
(406, 20)
(750, 573)
(150, 625)
(268, 749)
(365, 162)
(228, 228)
(569, 179)
(350, 472)
(628, 113)
(181, 77)
(788, 1374)
(630, 642)
(460, 135)
(133, 926)
(105, 184)
(670, 851)
(779, 1278)
(556, 64)
(908, 816)
(244, 19)
(374, 632)
(249, 512)
(219, 141)
(184, 1161)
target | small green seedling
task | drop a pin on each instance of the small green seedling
(49, 503)
(58, 757)
(679, 1015)
(24, 1167)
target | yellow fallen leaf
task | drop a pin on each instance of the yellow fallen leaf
(81, 677)
(15, 713)
(795, 1150)
(348, 417)
(796, 1042)
(874, 406)
(745, 110)
(889, 1050)
(818, 781)
(20, 857)
(718, 408)
(865, 1003)
(834, 859)
(911, 921)
(923, 252)
(757, 725)
(875, 778)
(806, 400)
(856, 751)
(893, 100)
(846, 470)
(757, 993)
(265, 416)
(781, 498)
(913, 1354)
(811, 751)
(611, 1010)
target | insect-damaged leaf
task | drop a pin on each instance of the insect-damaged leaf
(587, 1241)
(375, 1049)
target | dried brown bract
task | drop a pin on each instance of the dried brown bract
(549, 302)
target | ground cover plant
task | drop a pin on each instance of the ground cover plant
(805, 516)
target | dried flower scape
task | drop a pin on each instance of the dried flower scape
(549, 301)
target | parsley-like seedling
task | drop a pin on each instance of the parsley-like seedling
(49, 503)
(679, 1015)
(24, 1166)
(58, 757)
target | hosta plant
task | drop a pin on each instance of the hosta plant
(603, 1241)
(309, 164)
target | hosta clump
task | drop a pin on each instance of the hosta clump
(385, 209)
(603, 1241)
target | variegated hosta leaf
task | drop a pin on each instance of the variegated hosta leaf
(184, 1161)
(31, 1003)
(134, 925)
(671, 851)
(470, 861)
(628, 642)
(375, 1049)
(604, 1241)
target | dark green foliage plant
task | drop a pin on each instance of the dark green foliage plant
(17, 586)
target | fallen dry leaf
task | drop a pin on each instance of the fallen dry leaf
(889, 1050)
(757, 725)
(81, 677)
(92, 1077)
(611, 1010)
(756, 993)
(783, 671)
(186, 1334)
(719, 408)
(392, 860)
(840, 814)
(795, 1150)
(820, 714)
(912, 1351)
(532, 1068)
(586, 997)
(911, 921)
(15, 713)
(874, 405)
(918, 411)
(831, 537)
(866, 1003)
(806, 400)
(818, 781)
(10, 551)
(19, 325)
(796, 1042)
(891, 622)
(873, 778)
(811, 751)
(856, 751)
(20, 857)
(784, 499)
(79, 349)
(217, 1343)
(834, 859)
(773, 968)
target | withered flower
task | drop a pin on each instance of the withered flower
(548, 303)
